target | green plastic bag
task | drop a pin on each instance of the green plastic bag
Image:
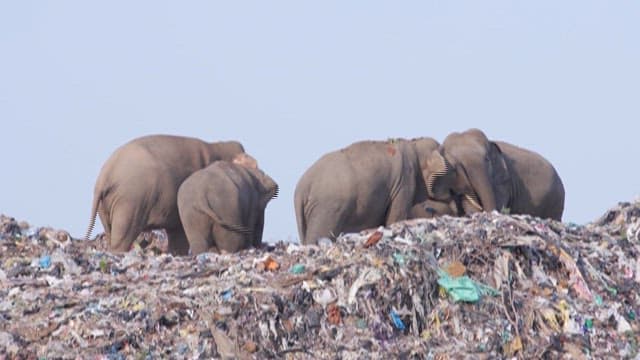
(463, 288)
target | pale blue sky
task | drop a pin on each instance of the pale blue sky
(295, 79)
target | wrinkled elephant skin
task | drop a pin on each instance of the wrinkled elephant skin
(365, 185)
(137, 187)
(222, 206)
(495, 175)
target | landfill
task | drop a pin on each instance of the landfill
(486, 286)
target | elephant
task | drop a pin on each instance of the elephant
(431, 208)
(137, 187)
(222, 206)
(364, 185)
(495, 175)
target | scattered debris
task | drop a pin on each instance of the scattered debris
(486, 286)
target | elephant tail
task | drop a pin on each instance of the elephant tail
(94, 212)
(232, 227)
(300, 218)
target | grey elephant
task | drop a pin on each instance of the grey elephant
(222, 206)
(431, 208)
(365, 185)
(495, 175)
(137, 187)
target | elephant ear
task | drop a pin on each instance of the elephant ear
(268, 193)
(275, 192)
(500, 176)
(440, 168)
(270, 189)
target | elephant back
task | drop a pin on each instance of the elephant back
(175, 152)
(537, 187)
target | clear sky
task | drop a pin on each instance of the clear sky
(293, 80)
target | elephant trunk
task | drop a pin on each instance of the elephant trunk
(481, 184)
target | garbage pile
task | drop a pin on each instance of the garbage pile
(487, 286)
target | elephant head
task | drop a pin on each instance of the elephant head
(469, 165)
(424, 147)
(245, 160)
(271, 188)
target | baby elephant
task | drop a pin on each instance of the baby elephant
(222, 206)
(433, 208)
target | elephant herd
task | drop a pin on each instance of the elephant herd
(212, 196)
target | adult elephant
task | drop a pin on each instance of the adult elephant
(222, 206)
(365, 185)
(492, 175)
(138, 185)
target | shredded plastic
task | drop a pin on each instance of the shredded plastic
(531, 288)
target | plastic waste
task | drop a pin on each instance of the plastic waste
(45, 261)
(397, 321)
(462, 288)
(297, 269)
(544, 289)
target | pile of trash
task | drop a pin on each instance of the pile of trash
(487, 286)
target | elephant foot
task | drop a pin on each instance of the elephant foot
(121, 246)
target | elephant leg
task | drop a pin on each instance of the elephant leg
(106, 222)
(230, 241)
(214, 249)
(329, 224)
(126, 225)
(257, 232)
(197, 227)
(400, 208)
(178, 243)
